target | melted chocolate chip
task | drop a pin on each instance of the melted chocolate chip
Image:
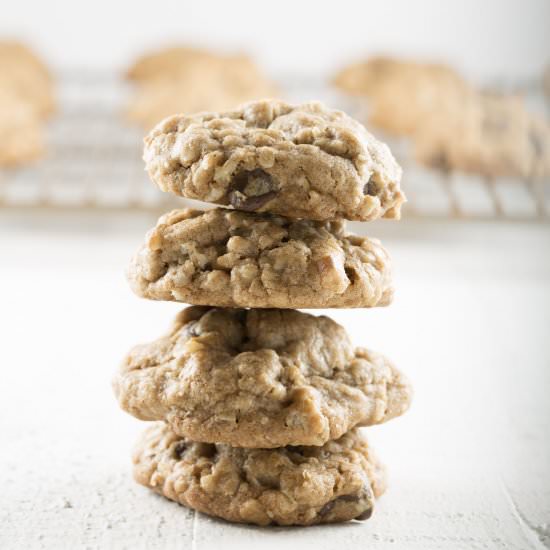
(350, 498)
(242, 202)
(327, 507)
(370, 188)
(179, 449)
(252, 189)
(365, 515)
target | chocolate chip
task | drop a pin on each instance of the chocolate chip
(241, 202)
(179, 449)
(350, 498)
(370, 188)
(365, 515)
(356, 497)
(252, 189)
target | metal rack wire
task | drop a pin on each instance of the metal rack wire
(94, 163)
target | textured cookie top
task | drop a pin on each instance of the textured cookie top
(259, 378)
(238, 259)
(300, 161)
(285, 486)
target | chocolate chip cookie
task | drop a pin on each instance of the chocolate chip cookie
(287, 486)
(299, 161)
(229, 258)
(259, 378)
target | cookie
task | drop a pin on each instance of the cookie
(287, 486)
(167, 61)
(184, 80)
(230, 258)
(402, 93)
(259, 378)
(21, 134)
(301, 161)
(499, 137)
(25, 76)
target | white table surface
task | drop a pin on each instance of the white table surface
(469, 465)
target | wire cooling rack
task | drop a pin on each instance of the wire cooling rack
(94, 163)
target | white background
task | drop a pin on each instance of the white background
(486, 38)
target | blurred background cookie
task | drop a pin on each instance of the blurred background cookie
(402, 93)
(26, 99)
(22, 72)
(451, 124)
(21, 133)
(491, 134)
(188, 80)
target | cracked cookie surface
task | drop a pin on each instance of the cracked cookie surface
(259, 378)
(287, 486)
(229, 258)
(299, 161)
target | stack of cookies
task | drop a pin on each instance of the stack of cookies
(260, 404)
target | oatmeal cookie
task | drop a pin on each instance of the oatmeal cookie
(231, 258)
(185, 80)
(21, 134)
(166, 62)
(402, 93)
(287, 486)
(259, 378)
(302, 161)
(25, 76)
(499, 137)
